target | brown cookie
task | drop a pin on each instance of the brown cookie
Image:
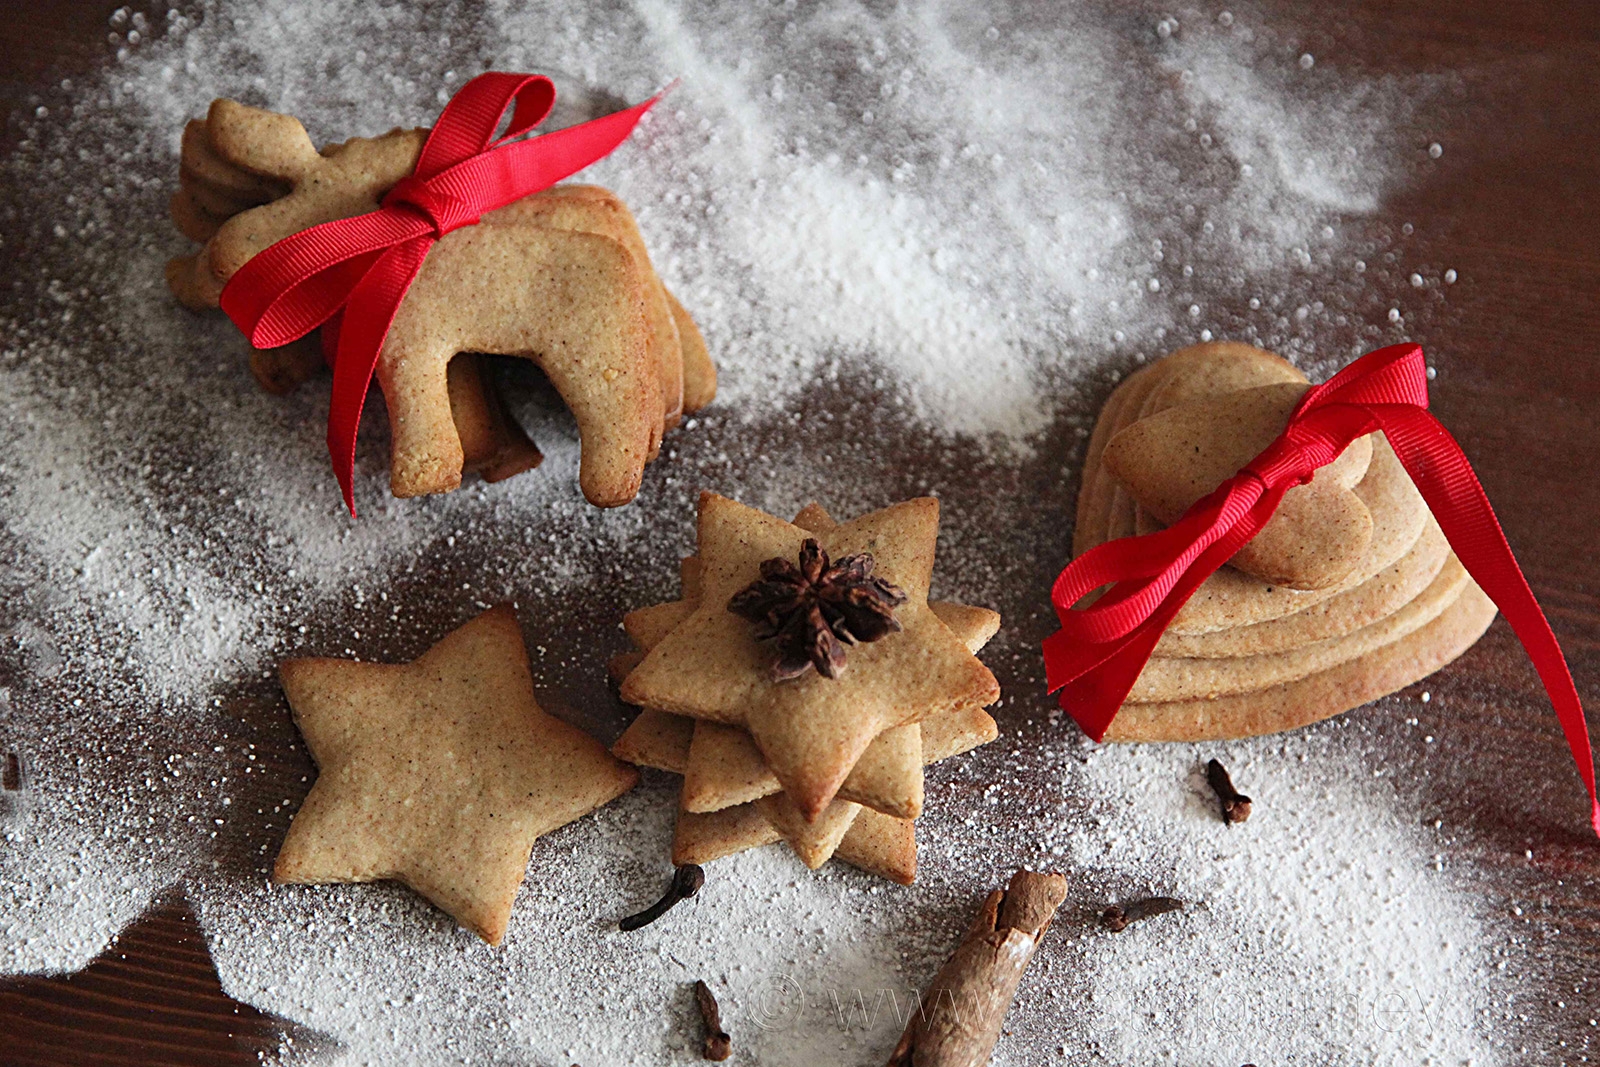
(439, 773)
(564, 282)
(813, 840)
(725, 767)
(492, 443)
(657, 739)
(1166, 679)
(1379, 596)
(699, 373)
(1244, 656)
(591, 209)
(877, 843)
(1169, 460)
(1317, 696)
(811, 730)
(1230, 598)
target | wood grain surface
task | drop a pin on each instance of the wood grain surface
(152, 997)
(1515, 209)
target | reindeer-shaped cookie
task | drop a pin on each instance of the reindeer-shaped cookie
(561, 278)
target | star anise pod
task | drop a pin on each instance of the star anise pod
(811, 610)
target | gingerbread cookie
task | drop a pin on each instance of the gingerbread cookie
(1167, 461)
(811, 730)
(657, 740)
(1318, 696)
(1231, 598)
(877, 843)
(732, 799)
(439, 773)
(1345, 613)
(591, 209)
(1248, 655)
(1181, 678)
(726, 768)
(212, 191)
(579, 296)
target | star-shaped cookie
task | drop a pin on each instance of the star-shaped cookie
(438, 773)
(878, 843)
(725, 767)
(811, 730)
(735, 775)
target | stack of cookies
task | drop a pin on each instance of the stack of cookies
(813, 724)
(1349, 593)
(561, 277)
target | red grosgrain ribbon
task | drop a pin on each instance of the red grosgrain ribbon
(359, 269)
(1099, 651)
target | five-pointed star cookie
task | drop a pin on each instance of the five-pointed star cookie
(811, 730)
(439, 773)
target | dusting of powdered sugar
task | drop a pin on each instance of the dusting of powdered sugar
(920, 241)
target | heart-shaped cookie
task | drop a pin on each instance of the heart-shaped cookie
(1172, 458)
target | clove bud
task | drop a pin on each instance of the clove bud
(686, 882)
(1117, 917)
(1235, 805)
(718, 1046)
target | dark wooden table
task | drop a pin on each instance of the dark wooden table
(1515, 209)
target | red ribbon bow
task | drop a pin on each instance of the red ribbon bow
(1096, 656)
(353, 273)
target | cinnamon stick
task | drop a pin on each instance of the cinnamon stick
(959, 1018)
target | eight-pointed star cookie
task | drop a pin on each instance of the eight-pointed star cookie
(439, 773)
(811, 730)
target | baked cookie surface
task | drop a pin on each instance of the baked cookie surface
(439, 773)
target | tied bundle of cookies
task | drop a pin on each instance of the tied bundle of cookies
(560, 277)
(802, 682)
(1350, 591)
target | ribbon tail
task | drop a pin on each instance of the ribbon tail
(1096, 678)
(364, 326)
(1445, 478)
(1094, 697)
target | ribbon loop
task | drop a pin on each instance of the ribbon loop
(354, 272)
(1100, 650)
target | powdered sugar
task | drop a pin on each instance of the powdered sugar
(918, 241)
(1272, 940)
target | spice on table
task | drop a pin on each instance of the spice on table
(810, 610)
(1235, 805)
(686, 882)
(718, 1046)
(1117, 917)
(959, 1018)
